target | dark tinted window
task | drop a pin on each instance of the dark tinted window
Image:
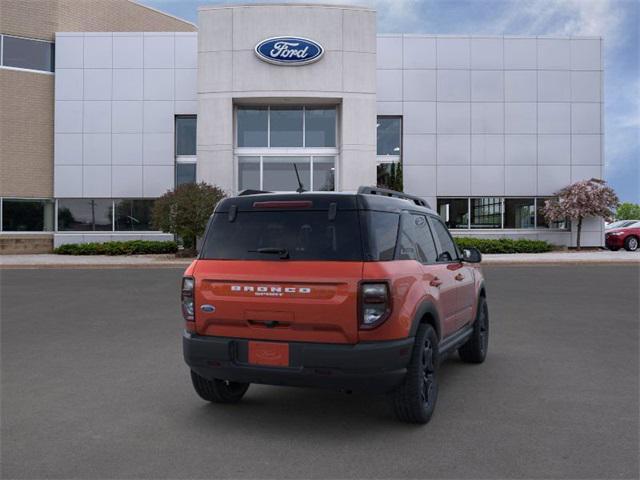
(519, 213)
(253, 126)
(486, 212)
(542, 222)
(320, 127)
(27, 215)
(186, 135)
(454, 212)
(26, 53)
(84, 215)
(383, 233)
(416, 242)
(446, 247)
(185, 173)
(133, 215)
(389, 133)
(306, 235)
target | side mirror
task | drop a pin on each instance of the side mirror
(471, 255)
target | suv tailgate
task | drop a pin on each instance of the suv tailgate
(304, 301)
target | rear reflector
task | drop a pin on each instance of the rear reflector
(284, 204)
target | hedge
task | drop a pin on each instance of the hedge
(504, 245)
(131, 247)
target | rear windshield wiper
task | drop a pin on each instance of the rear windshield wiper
(283, 252)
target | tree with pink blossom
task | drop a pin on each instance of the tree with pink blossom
(586, 198)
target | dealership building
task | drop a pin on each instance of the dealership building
(107, 105)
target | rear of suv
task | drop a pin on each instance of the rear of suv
(356, 292)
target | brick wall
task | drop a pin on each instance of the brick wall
(26, 116)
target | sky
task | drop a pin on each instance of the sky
(617, 21)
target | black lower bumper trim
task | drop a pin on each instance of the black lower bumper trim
(370, 367)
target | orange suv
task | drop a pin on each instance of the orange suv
(361, 291)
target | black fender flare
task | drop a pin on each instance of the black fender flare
(426, 307)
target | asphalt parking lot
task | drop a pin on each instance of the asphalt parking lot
(94, 386)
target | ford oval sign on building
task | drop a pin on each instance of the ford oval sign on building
(289, 51)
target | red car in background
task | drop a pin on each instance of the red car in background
(626, 237)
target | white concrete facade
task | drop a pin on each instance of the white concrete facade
(508, 117)
(496, 117)
(230, 74)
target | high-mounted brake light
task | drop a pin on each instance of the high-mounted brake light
(375, 304)
(284, 204)
(186, 298)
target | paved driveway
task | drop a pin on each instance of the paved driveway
(93, 386)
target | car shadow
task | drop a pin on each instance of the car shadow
(294, 410)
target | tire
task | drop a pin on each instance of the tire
(218, 391)
(631, 243)
(475, 349)
(415, 399)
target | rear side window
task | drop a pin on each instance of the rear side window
(383, 233)
(304, 235)
(416, 242)
(447, 251)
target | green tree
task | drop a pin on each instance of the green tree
(185, 211)
(628, 211)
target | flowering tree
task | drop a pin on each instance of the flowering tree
(185, 211)
(586, 198)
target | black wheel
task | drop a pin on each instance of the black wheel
(218, 391)
(631, 244)
(475, 349)
(415, 400)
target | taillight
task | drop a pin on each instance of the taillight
(186, 298)
(375, 304)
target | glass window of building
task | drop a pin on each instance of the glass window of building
(186, 135)
(133, 215)
(185, 173)
(389, 133)
(253, 126)
(447, 250)
(519, 213)
(26, 53)
(389, 151)
(286, 127)
(320, 127)
(324, 170)
(542, 222)
(27, 215)
(279, 173)
(486, 212)
(249, 173)
(85, 215)
(454, 212)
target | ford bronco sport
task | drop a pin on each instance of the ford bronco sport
(358, 291)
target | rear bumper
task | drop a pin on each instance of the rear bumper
(370, 367)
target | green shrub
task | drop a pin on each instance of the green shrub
(504, 245)
(132, 247)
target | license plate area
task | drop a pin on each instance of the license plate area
(269, 354)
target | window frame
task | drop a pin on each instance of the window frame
(22, 69)
(267, 151)
(184, 159)
(436, 239)
(52, 201)
(389, 159)
(268, 146)
(536, 228)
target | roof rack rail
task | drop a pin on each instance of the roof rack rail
(252, 192)
(392, 193)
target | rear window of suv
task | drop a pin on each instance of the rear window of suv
(265, 235)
